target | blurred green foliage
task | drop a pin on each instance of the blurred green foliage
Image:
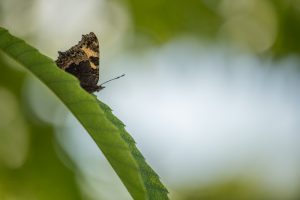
(39, 173)
(289, 30)
(223, 190)
(163, 20)
(244, 23)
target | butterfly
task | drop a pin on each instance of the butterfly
(82, 61)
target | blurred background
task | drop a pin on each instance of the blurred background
(211, 96)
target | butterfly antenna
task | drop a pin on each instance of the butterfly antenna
(112, 79)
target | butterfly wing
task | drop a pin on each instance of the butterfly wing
(82, 60)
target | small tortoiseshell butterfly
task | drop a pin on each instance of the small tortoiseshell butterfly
(82, 60)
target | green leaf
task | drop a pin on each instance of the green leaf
(107, 131)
